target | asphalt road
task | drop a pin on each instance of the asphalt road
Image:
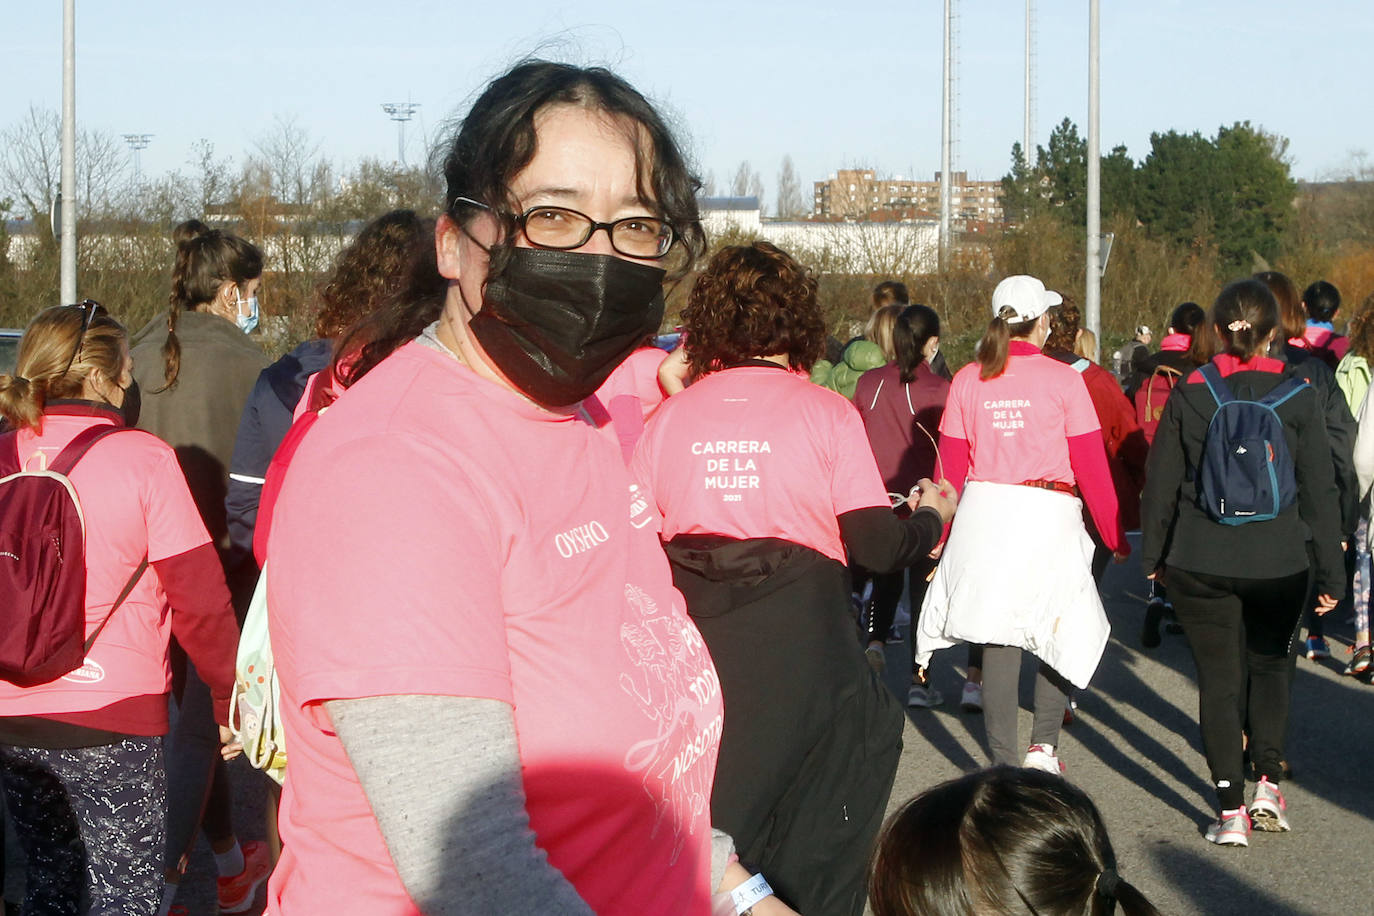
(1135, 748)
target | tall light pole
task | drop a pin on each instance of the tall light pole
(137, 143)
(400, 112)
(1028, 126)
(68, 206)
(1093, 299)
(946, 136)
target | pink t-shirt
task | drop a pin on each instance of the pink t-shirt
(630, 394)
(438, 535)
(1017, 424)
(135, 501)
(754, 452)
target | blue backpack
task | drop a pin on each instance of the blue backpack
(1247, 472)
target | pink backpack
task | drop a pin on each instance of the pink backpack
(43, 565)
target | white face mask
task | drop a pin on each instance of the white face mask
(247, 322)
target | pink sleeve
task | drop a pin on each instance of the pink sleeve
(954, 460)
(1088, 457)
(855, 482)
(394, 586)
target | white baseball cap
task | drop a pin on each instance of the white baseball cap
(1025, 296)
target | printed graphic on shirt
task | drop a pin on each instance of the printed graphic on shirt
(676, 685)
(1007, 416)
(732, 466)
(639, 508)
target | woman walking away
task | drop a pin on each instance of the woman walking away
(494, 698)
(1020, 435)
(901, 405)
(81, 754)
(196, 366)
(1000, 842)
(766, 482)
(1353, 375)
(1236, 562)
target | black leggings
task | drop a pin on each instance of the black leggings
(1240, 632)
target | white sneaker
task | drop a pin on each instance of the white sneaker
(1231, 828)
(1269, 812)
(923, 695)
(1042, 757)
(971, 700)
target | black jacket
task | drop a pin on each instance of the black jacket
(1340, 429)
(1177, 531)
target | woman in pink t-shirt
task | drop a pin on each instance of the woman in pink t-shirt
(1021, 438)
(494, 699)
(81, 754)
(766, 482)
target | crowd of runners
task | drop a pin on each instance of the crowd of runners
(558, 622)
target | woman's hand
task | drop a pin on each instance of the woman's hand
(943, 498)
(735, 875)
(230, 747)
(674, 371)
(1157, 575)
(1325, 604)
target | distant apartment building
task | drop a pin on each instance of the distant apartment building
(859, 193)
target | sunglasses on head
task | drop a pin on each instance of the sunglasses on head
(89, 309)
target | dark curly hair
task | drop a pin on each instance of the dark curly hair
(1362, 329)
(375, 268)
(753, 301)
(1065, 320)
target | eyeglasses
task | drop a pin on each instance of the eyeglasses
(89, 309)
(562, 229)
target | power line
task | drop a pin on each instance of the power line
(400, 112)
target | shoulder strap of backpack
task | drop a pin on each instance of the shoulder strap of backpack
(1221, 392)
(80, 444)
(1283, 391)
(1080, 365)
(128, 587)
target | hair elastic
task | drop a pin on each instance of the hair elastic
(1240, 324)
(1108, 881)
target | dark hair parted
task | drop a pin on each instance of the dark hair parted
(916, 325)
(1186, 317)
(1065, 320)
(1243, 316)
(1292, 320)
(384, 291)
(206, 259)
(890, 292)
(1005, 840)
(41, 371)
(1322, 301)
(497, 140)
(992, 347)
(753, 301)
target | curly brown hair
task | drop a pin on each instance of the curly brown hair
(1362, 329)
(753, 301)
(378, 266)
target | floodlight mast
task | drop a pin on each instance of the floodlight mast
(138, 143)
(400, 112)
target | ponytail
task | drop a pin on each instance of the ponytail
(1132, 902)
(21, 402)
(205, 259)
(916, 325)
(992, 349)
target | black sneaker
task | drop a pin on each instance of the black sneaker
(1149, 630)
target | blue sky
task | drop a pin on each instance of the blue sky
(833, 84)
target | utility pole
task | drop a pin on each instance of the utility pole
(1093, 299)
(68, 206)
(400, 112)
(946, 136)
(1028, 127)
(137, 143)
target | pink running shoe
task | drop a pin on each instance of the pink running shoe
(236, 892)
(1269, 812)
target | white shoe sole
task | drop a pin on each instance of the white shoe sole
(1267, 819)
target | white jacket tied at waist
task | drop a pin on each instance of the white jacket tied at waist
(1017, 571)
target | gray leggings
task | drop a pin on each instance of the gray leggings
(89, 822)
(1001, 694)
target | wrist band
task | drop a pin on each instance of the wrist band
(750, 893)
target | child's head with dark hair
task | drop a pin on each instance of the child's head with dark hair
(1186, 317)
(1244, 316)
(1292, 320)
(1005, 840)
(917, 325)
(1322, 301)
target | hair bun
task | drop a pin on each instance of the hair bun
(189, 231)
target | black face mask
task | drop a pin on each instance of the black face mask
(133, 402)
(556, 323)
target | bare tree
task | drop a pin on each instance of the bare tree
(747, 183)
(288, 158)
(31, 166)
(791, 205)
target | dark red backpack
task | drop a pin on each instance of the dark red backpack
(1151, 397)
(43, 565)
